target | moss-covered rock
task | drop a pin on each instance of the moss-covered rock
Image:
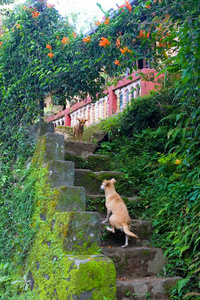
(91, 181)
(54, 148)
(70, 198)
(94, 162)
(88, 180)
(79, 161)
(61, 173)
(80, 148)
(136, 262)
(39, 129)
(94, 133)
(66, 131)
(97, 162)
(83, 233)
(74, 277)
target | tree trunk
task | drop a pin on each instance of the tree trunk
(1, 24)
(41, 106)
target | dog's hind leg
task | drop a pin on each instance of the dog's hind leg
(112, 224)
(112, 229)
(126, 241)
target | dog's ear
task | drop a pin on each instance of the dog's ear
(113, 181)
(78, 119)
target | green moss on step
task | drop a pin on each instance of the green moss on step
(94, 162)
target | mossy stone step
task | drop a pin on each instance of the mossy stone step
(82, 232)
(155, 288)
(94, 162)
(66, 131)
(142, 228)
(136, 262)
(91, 181)
(70, 198)
(88, 277)
(39, 129)
(80, 148)
(61, 173)
(94, 134)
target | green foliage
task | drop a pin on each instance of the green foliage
(146, 113)
(4, 277)
(16, 211)
(161, 164)
(97, 204)
(23, 281)
(16, 194)
(135, 139)
(111, 126)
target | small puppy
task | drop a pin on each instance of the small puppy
(78, 129)
(117, 212)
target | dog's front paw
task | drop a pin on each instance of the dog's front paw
(124, 246)
(103, 222)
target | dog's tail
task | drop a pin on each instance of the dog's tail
(128, 232)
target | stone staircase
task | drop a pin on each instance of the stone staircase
(65, 259)
(138, 266)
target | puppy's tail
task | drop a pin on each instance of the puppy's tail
(128, 232)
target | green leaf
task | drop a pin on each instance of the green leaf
(182, 283)
(4, 278)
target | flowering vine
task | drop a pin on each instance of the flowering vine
(104, 42)
(87, 39)
(65, 40)
(117, 62)
(125, 50)
(50, 54)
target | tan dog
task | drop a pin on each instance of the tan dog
(78, 129)
(117, 212)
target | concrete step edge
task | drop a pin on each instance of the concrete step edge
(147, 279)
(157, 288)
(133, 222)
(132, 199)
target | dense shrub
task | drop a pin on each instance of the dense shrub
(150, 145)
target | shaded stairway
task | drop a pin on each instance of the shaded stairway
(138, 265)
